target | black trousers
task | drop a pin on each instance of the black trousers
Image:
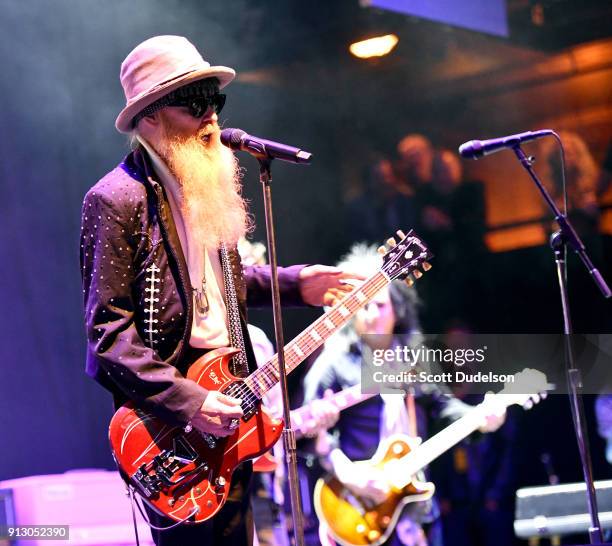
(233, 525)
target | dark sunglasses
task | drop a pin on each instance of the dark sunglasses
(198, 106)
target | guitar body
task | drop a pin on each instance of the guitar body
(184, 474)
(354, 521)
(266, 463)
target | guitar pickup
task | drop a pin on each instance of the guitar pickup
(202, 467)
(249, 404)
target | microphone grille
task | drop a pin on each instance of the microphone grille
(232, 137)
(471, 149)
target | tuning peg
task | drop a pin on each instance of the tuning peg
(400, 234)
(426, 266)
(409, 281)
(391, 241)
(381, 249)
(417, 274)
(528, 405)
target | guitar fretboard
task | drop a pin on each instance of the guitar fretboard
(303, 345)
(431, 449)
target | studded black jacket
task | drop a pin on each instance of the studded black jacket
(137, 293)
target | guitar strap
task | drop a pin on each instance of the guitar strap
(239, 365)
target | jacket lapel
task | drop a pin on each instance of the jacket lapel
(175, 252)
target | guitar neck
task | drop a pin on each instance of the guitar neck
(341, 400)
(431, 449)
(302, 346)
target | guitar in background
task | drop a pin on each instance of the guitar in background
(354, 520)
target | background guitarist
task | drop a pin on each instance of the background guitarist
(389, 320)
(162, 280)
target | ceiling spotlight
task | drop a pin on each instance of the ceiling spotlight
(374, 47)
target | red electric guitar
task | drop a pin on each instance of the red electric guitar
(185, 474)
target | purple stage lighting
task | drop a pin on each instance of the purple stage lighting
(482, 15)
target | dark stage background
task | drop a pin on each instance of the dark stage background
(60, 94)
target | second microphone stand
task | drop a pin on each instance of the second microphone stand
(566, 237)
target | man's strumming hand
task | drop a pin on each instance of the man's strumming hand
(217, 414)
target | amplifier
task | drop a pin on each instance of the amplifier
(92, 503)
(560, 509)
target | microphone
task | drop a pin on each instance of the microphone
(479, 148)
(237, 139)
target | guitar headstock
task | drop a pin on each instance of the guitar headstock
(406, 259)
(526, 388)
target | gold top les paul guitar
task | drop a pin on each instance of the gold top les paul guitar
(354, 521)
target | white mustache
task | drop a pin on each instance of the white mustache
(209, 130)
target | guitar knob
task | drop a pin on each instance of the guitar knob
(391, 242)
(381, 249)
(426, 266)
(417, 274)
(220, 482)
(410, 281)
(373, 535)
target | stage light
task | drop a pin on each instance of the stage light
(374, 47)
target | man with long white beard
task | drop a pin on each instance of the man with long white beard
(162, 279)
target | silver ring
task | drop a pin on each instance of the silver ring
(233, 424)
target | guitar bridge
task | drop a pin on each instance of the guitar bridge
(152, 477)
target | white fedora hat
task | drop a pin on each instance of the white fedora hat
(157, 67)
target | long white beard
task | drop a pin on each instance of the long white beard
(209, 176)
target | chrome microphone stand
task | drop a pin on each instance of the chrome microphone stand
(289, 443)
